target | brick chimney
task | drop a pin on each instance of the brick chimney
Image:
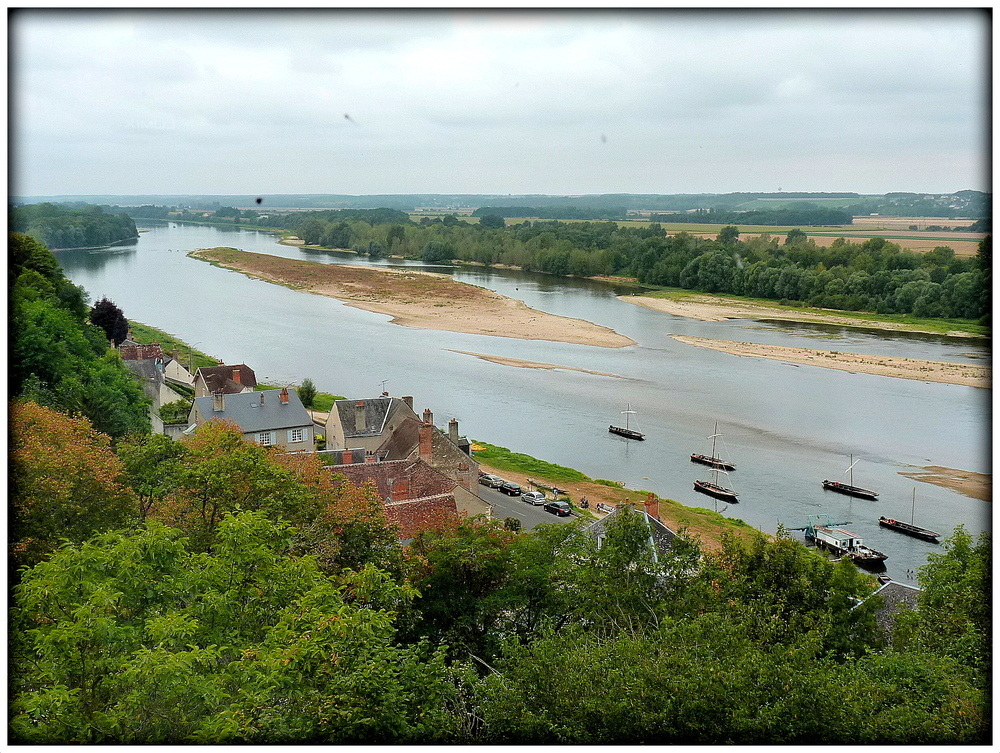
(284, 396)
(426, 440)
(347, 457)
(453, 430)
(236, 375)
(359, 416)
(652, 506)
(218, 402)
(408, 400)
(428, 416)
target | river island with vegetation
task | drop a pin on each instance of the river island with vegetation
(212, 590)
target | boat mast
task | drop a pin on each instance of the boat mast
(913, 504)
(628, 409)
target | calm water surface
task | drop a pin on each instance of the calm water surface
(786, 427)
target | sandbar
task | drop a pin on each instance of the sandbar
(945, 372)
(505, 361)
(708, 308)
(969, 483)
(423, 300)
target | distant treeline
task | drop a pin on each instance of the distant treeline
(876, 275)
(61, 227)
(968, 203)
(805, 215)
(554, 213)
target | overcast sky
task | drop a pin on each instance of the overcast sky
(568, 102)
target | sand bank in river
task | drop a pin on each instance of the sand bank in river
(417, 299)
(505, 361)
(969, 483)
(711, 309)
(971, 375)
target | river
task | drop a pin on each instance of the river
(787, 428)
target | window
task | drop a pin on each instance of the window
(295, 435)
(264, 438)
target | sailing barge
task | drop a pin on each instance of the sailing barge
(714, 490)
(909, 529)
(853, 491)
(712, 462)
(626, 431)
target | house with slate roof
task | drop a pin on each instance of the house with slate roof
(228, 380)
(273, 418)
(896, 598)
(661, 538)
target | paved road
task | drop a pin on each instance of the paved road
(505, 506)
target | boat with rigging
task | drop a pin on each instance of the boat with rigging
(627, 431)
(850, 489)
(713, 488)
(711, 460)
(909, 528)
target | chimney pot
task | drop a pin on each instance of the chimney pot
(428, 416)
(284, 396)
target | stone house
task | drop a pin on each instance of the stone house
(273, 418)
(388, 429)
(414, 493)
(660, 536)
(229, 380)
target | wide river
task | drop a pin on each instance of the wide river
(787, 428)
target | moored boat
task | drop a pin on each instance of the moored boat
(843, 543)
(627, 431)
(712, 462)
(714, 490)
(853, 491)
(850, 489)
(909, 529)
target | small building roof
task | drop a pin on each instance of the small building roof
(376, 412)
(258, 411)
(222, 379)
(896, 597)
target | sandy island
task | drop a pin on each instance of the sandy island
(969, 483)
(970, 375)
(423, 300)
(710, 309)
(505, 361)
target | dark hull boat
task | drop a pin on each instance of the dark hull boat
(627, 433)
(714, 490)
(853, 491)
(846, 544)
(712, 462)
(909, 529)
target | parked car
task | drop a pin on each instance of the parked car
(558, 508)
(488, 479)
(533, 498)
(509, 487)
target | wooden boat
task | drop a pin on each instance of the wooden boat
(711, 460)
(713, 488)
(626, 431)
(909, 528)
(850, 489)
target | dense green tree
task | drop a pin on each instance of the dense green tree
(136, 639)
(307, 393)
(492, 221)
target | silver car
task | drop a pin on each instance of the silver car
(533, 498)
